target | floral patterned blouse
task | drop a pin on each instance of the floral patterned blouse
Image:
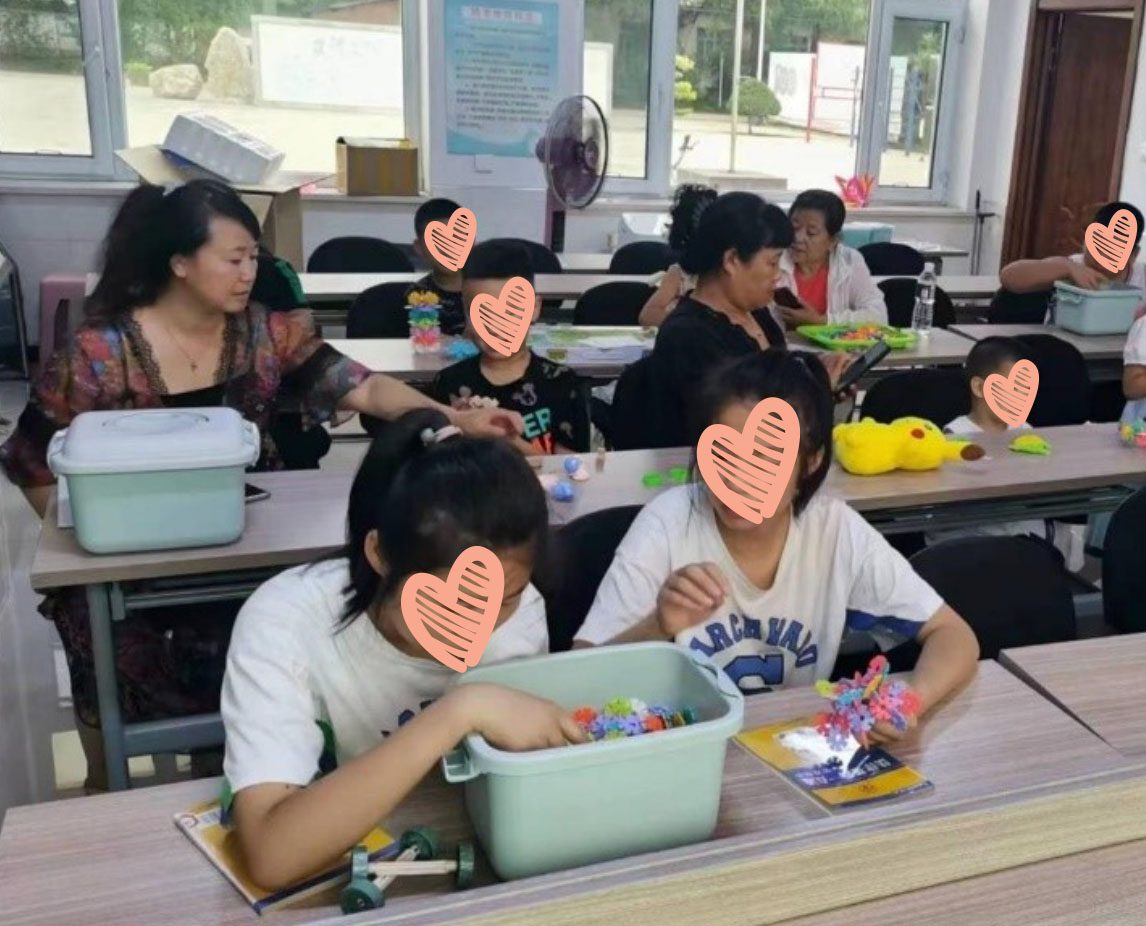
(269, 360)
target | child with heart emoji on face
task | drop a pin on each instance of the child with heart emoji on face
(758, 570)
(434, 516)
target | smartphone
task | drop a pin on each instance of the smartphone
(255, 494)
(864, 362)
(786, 299)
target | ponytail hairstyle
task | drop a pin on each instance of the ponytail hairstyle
(430, 499)
(152, 227)
(689, 202)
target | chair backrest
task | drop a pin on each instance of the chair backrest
(1064, 383)
(899, 295)
(1009, 308)
(616, 303)
(635, 418)
(358, 254)
(1013, 591)
(544, 260)
(581, 553)
(1124, 566)
(890, 259)
(642, 257)
(379, 312)
(277, 286)
(938, 395)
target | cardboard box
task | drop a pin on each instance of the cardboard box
(221, 148)
(377, 167)
(277, 202)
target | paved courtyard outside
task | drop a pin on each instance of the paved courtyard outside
(48, 113)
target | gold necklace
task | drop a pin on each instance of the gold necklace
(194, 361)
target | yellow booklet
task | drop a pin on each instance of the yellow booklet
(839, 778)
(204, 827)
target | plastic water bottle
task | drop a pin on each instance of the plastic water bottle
(924, 311)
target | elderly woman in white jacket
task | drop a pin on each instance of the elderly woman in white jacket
(826, 281)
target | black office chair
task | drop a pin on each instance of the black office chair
(1013, 591)
(1009, 308)
(276, 286)
(358, 254)
(939, 395)
(616, 303)
(544, 262)
(1107, 401)
(899, 296)
(634, 419)
(379, 312)
(642, 257)
(1064, 383)
(1124, 566)
(580, 555)
(892, 259)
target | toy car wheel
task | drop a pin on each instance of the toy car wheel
(466, 865)
(361, 894)
(359, 864)
(423, 839)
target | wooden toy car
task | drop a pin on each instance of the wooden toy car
(417, 856)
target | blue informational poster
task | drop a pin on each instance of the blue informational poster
(501, 75)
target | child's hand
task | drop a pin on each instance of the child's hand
(690, 595)
(515, 721)
(883, 734)
(1084, 276)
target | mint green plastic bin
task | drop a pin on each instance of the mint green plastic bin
(1096, 311)
(537, 812)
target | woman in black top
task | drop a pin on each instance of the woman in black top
(735, 255)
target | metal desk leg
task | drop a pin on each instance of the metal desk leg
(107, 687)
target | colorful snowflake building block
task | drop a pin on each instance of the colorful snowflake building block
(858, 704)
(626, 717)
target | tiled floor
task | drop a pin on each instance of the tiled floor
(40, 754)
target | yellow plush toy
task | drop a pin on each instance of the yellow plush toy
(868, 448)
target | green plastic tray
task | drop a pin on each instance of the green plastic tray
(829, 336)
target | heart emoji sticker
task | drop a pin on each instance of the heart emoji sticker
(1011, 397)
(503, 321)
(453, 620)
(1111, 245)
(449, 243)
(749, 470)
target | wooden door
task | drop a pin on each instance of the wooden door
(1072, 129)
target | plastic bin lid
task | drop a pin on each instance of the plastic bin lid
(1115, 288)
(150, 440)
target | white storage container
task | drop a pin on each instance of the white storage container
(156, 479)
(214, 145)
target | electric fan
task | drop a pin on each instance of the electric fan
(575, 154)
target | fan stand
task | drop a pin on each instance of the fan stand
(554, 222)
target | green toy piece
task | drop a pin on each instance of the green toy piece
(361, 894)
(678, 475)
(467, 863)
(1032, 444)
(423, 840)
(652, 480)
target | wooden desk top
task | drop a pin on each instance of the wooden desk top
(119, 858)
(1103, 886)
(1092, 347)
(1096, 681)
(304, 517)
(1083, 457)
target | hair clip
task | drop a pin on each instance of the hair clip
(430, 436)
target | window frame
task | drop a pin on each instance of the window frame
(100, 51)
(876, 112)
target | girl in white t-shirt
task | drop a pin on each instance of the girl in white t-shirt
(770, 603)
(323, 675)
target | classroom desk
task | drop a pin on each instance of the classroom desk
(396, 355)
(1095, 681)
(304, 520)
(1088, 471)
(1102, 352)
(119, 859)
